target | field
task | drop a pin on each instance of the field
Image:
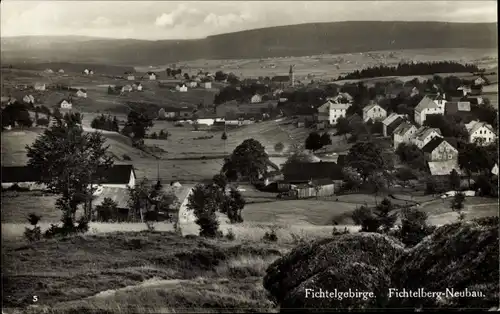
(331, 66)
(98, 99)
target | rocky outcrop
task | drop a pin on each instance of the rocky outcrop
(353, 261)
(461, 256)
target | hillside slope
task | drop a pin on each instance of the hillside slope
(282, 41)
(14, 146)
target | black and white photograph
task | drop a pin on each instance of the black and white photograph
(249, 156)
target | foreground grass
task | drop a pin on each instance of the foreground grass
(68, 273)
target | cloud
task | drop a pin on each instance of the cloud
(192, 19)
(182, 15)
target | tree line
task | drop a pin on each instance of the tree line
(414, 68)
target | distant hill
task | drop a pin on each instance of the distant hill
(281, 41)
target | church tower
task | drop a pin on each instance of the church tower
(291, 76)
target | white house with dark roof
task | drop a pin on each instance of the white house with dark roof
(438, 149)
(65, 104)
(29, 99)
(206, 85)
(480, 132)
(430, 104)
(465, 89)
(331, 111)
(137, 86)
(181, 88)
(374, 112)
(403, 133)
(424, 135)
(152, 76)
(126, 89)
(256, 99)
(81, 93)
(479, 81)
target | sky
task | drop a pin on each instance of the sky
(154, 20)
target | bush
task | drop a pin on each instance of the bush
(279, 147)
(67, 228)
(414, 227)
(230, 235)
(34, 234)
(107, 210)
(336, 232)
(126, 157)
(270, 236)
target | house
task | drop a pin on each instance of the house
(374, 112)
(130, 77)
(444, 168)
(7, 100)
(256, 99)
(331, 111)
(65, 104)
(29, 99)
(388, 121)
(342, 98)
(479, 81)
(126, 88)
(152, 76)
(137, 86)
(304, 172)
(40, 87)
(465, 89)
(181, 88)
(244, 108)
(314, 188)
(475, 100)
(48, 71)
(88, 71)
(185, 113)
(438, 149)
(306, 114)
(494, 170)
(118, 176)
(192, 84)
(82, 93)
(403, 133)
(424, 135)
(430, 104)
(480, 132)
(118, 195)
(456, 107)
(271, 177)
(23, 176)
(61, 71)
(206, 85)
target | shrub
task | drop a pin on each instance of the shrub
(414, 227)
(35, 233)
(279, 147)
(230, 235)
(336, 232)
(107, 210)
(270, 236)
(126, 157)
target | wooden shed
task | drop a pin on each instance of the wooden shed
(315, 188)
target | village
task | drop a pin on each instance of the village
(318, 171)
(279, 161)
